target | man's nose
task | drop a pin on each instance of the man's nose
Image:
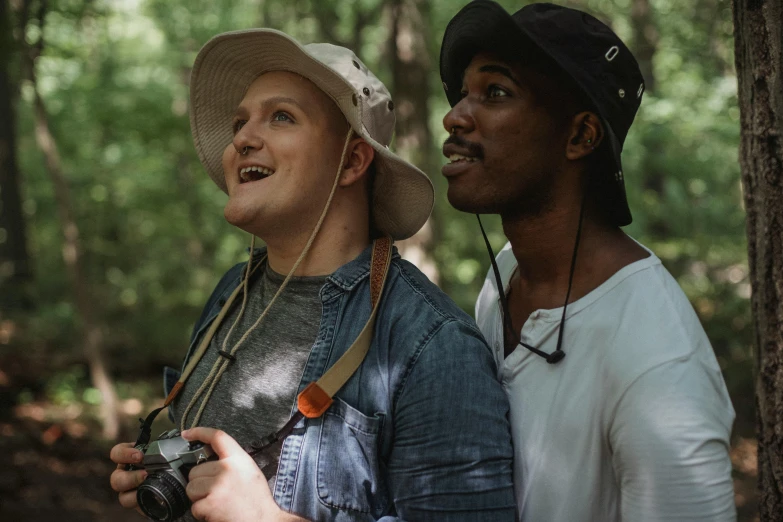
(248, 138)
(459, 118)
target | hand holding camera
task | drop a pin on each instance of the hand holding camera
(184, 468)
(158, 474)
(231, 489)
(125, 482)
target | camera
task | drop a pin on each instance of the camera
(168, 461)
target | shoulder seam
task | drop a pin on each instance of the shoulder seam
(415, 358)
(417, 288)
(684, 357)
(624, 392)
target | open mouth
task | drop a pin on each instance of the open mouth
(254, 173)
(459, 158)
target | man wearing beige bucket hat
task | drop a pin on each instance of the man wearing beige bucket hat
(378, 391)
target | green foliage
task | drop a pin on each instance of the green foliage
(114, 76)
(67, 386)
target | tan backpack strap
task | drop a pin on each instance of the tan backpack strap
(317, 397)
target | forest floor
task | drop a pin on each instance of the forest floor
(54, 464)
(56, 467)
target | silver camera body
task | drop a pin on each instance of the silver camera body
(168, 461)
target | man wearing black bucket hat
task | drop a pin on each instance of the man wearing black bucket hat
(618, 407)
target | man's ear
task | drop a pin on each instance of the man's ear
(358, 158)
(587, 133)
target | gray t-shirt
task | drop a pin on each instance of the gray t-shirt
(256, 393)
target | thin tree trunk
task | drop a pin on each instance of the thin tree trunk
(15, 268)
(92, 333)
(328, 20)
(409, 52)
(759, 61)
(645, 40)
(645, 45)
(72, 255)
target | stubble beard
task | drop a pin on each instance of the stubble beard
(529, 200)
(532, 200)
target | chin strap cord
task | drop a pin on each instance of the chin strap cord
(316, 398)
(221, 364)
(508, 328)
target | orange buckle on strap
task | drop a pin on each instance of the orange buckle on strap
(313, 401)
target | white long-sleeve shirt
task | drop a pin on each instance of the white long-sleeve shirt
(634, 423)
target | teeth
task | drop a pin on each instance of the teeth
(243, 173)
(459, 157)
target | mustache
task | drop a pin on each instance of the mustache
(474, 149)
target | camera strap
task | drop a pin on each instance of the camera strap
(316, 398)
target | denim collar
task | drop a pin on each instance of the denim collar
(353, 272)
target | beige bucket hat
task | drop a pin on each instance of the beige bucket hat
(227, 65)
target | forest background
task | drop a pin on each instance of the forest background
(112, 236)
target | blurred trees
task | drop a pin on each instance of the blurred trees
(88, 322)
(409, 56)
(14, 260)
(114, 78)
(759, 50)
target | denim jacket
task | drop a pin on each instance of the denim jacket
(419, 432)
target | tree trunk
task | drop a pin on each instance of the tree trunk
(409, 52)
(645, 40)
(15, 266)
(92, 334)
(759, 62)
(328, 21)
(645, 45)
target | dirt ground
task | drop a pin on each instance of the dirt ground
(50, 475)
(56, 471)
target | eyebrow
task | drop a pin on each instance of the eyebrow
(274, 101)
(499, 69)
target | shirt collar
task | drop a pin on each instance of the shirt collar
(350, 274)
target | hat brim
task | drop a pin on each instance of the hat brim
(224, 69)
(486, 26)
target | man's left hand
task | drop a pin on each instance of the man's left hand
(231, 489)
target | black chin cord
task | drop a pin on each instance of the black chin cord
(558, 354)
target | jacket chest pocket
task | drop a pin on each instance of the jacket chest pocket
(348, 469)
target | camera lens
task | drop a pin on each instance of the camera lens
(162, 497)
(155, 506)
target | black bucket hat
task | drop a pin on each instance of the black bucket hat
(584, 50)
